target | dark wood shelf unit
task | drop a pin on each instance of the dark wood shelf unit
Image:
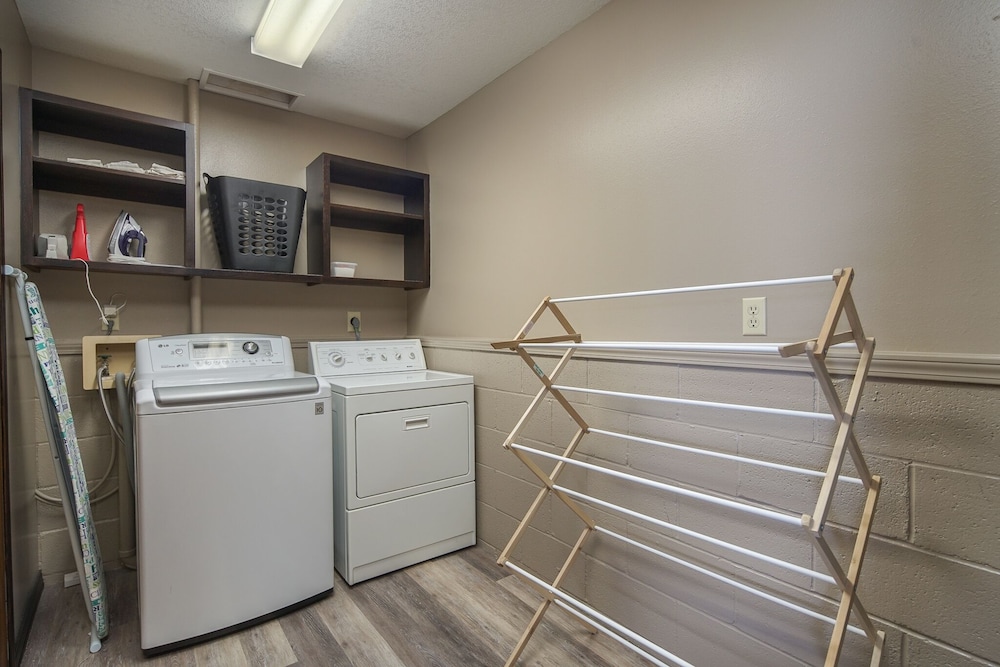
(106, 267)
(59, 176)
(270, 276)
(54, 114)
(413, 224)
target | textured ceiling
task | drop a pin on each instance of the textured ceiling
(392, 66)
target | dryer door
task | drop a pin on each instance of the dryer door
(413, 450)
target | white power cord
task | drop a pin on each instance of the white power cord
(86, 268)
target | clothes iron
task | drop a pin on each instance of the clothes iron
(127, 242)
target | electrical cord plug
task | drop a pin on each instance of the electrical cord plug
(356, 323)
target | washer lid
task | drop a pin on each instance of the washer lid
(375, 383)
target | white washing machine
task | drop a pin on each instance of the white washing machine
(234, 485)
(404, 456)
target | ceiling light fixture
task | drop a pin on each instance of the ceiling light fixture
(290, 29)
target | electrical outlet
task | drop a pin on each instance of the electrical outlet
(351, 314)
(111, 315)
(755, 316)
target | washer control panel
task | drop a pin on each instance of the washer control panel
(207, 352)
(356, 357)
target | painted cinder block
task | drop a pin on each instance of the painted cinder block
(568, 527)
(791, 391)
(941, 598)
(89, 419)
(95, 452)
(645, 500)
(491, 455)
(690, 634)
(799, 492)
(493, 527)
(697, 470)
(51, 518)
(631, 603)
(509, 495)
(573, 374)
(955, 513)
(782, 541)
(498, 370)
(56, 558)
(635, 378)
(606, 448)
(919, 651)
(805, 637)
(486, 407)
(543, 556)
(671, 576)
(951, 425)
(509, 410)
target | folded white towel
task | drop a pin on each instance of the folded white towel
(86, 161)
(125, 165)
(161, 170)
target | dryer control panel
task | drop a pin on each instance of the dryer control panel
(207, 352)
(356, 357)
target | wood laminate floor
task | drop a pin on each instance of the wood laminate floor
(457, 610)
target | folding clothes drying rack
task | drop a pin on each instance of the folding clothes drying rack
(61, 430)
(845, 442)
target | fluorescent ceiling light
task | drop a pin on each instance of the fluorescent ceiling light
(290, 29)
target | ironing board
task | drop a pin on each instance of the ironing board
(58, 418)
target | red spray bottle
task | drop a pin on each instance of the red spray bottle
(81, 240)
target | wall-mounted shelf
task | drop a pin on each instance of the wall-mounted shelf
(47, 114)
(412, 223)
(115, 129)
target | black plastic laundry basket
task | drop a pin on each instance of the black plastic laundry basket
(256, 224)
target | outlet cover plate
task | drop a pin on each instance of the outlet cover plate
(755, 316)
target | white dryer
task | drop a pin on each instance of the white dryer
(404, 456)
(234, 485)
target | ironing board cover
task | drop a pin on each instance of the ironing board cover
(48, 360)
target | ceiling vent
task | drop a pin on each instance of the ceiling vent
(246, 90)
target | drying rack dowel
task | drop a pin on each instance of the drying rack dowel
(697, 288)
(824, 416)
(780, 517)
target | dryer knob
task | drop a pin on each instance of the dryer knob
(251, 347)
(336, 359)
(398, 356)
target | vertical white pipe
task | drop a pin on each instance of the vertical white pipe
(195, 303)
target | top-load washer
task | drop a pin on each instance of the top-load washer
(234, 485)
(404, 455)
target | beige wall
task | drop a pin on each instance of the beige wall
(661, 144)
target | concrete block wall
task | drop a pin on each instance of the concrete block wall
(931, 578)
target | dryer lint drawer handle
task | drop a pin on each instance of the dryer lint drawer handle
(413, 423)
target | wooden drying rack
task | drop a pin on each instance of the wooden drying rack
(845, 442)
